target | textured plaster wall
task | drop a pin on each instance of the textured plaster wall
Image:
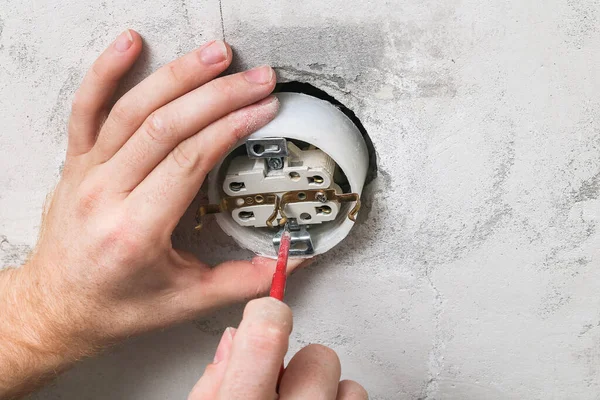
(474, 272)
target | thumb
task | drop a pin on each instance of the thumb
(210, 382)
(235, 281)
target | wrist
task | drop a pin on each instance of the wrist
(50, 316)
(36, 339)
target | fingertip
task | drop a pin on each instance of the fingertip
(128, 42)
(270, 310)
(133, 34)
(243, 122)
(229, 57)
(293, 265)
(313, 371)
(138, 40)
(215, 54)
(297, 264)
(324, 355)
(351, 390)
(269, 106)
(260, 261)
(229, 52)
(224, 346)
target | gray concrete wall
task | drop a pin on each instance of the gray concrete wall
(474, 273)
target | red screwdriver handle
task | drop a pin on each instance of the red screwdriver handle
(280, 275)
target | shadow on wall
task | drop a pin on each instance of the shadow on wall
(307, 88)
(213, 246)
(163, 364)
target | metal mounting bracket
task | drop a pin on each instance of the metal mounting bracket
(301, 243)
(267, 148)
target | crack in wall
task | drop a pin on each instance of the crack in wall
(13, 255)
(222, 22)
(186, 14)
(589, 189)
(435, 361)
(328, 79)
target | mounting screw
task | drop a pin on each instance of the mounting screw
(275, 163)
(320, 196)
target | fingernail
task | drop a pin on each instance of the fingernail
(269, 309)
(124, 41)
(224, 345)
(267, 101)
(259, 75)
(214, 53)
(307, 262)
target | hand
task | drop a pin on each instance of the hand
(247, 362)
(104, 267)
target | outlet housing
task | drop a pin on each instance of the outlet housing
(325, 150)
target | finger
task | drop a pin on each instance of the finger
(313, 373)
(208, 385)
(168, 83)
(350, 390)
(258, 350)
(164, 129)
(232, 282)
(95, 93)
(164, 195)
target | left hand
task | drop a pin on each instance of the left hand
(104, 267)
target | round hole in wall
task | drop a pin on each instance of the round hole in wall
(310, 90)
(305, 216)
(294, 176)
(302, 196)
(323, 132)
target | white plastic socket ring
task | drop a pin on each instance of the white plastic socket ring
(321, 124)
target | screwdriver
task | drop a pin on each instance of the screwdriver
(280, 276)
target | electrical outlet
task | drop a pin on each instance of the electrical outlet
(299, 170)
(292, 171)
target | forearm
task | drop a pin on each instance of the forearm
(36, 341)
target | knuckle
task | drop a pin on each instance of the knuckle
(78, 101)
(158, 129)
(176, 72)
(121, 113)
(225, 87)
(102, 73)
(89, 197)
(183, 159)
(82, 104)
(121, 240)
(96, 72)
